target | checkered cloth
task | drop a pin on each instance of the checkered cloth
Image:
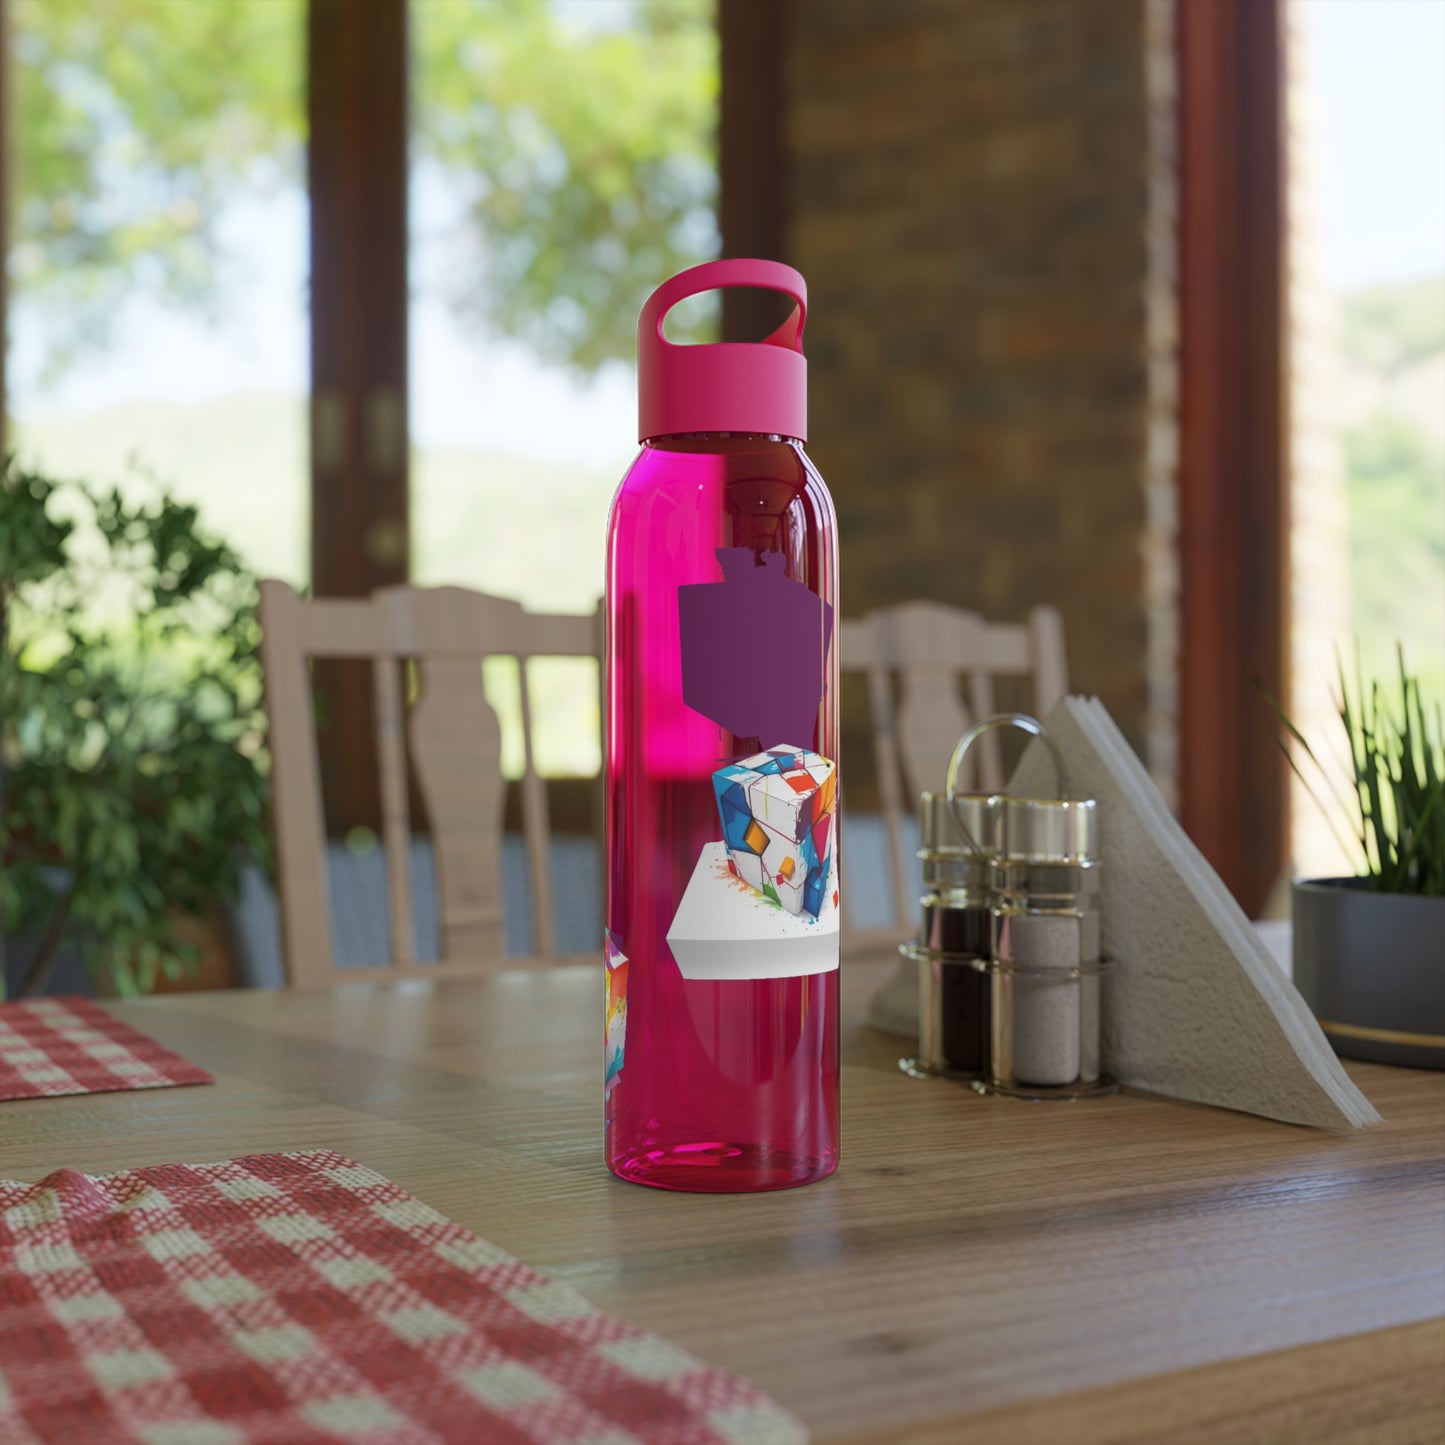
(73, 1046)
(301, 1298)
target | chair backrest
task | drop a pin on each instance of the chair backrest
(930, 647)
(455, 738)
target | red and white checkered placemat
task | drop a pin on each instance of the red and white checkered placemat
(73, 1046)
(301, 1298)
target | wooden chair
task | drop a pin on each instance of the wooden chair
(455, 738)
(930, 646)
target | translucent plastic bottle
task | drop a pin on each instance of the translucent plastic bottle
(721, 767)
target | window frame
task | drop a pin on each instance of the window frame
(1234, 437)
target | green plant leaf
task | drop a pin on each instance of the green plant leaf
(132, 739)
(1397, 766)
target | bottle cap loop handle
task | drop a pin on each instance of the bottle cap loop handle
(756, 387)
(723, 275)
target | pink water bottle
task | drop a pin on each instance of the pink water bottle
(722, 766)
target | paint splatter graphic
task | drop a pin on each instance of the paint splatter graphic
(616, 1010)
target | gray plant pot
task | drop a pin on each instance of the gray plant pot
(1372, 967)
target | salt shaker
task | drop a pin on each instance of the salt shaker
(1045, 969)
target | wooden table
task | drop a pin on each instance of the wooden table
(979, 1270)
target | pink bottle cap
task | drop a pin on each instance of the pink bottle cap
(736, 386)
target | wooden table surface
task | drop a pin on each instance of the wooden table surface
(979, 1270)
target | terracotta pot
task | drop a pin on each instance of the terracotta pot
(1372, 967)
(216, 966)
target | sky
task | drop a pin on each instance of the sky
(1378, 72)
(466, 391)
(1376, 69)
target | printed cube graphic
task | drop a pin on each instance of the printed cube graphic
(616, 1008)
(777, 810)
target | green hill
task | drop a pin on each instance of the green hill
(518, 528)
(1394, 327)
(1393, 350)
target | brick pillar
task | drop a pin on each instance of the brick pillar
(973, 191)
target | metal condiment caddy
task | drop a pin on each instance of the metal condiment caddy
(1010, 976)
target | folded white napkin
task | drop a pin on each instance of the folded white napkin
(1196, 1007)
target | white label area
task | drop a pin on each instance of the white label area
(724, 928)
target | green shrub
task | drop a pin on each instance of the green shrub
(131, 733)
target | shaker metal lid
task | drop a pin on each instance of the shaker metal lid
(963, 823)
(1047, 830)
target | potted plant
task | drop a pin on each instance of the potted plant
(1369, 951)
(132, 771)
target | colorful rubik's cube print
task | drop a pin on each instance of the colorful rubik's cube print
(616, 1009)
(778, 811)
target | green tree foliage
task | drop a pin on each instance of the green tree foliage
(130, 726)
(583, 151)
(1385, 446)
(1392, 326)
(585, 156)
(1396, 492)
(1395, 476)
(135, 121)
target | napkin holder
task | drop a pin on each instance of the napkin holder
(1008, 963)
(1197, 1008)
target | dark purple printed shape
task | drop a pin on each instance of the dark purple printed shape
(753, 649)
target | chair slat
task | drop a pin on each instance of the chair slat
(1046, 651)
(560, 635)
(890, 789)
(535, 826)
(340, 627)
(990, 759)
(295, 789)
(931, 719)
(395, 814)
(457, 747)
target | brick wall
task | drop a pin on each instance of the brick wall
(975, 191)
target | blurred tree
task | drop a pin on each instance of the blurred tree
(581, 140)
(1396, 495)
(136, 120)
(1385, 446)
(585, 154)
(131, 729)
(1393, 326)
(1393, 349)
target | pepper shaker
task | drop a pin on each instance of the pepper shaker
(954, 941)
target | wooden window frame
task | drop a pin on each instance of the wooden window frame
(752, 151)
(7, 170)
(1234, 428)
(357, 113)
